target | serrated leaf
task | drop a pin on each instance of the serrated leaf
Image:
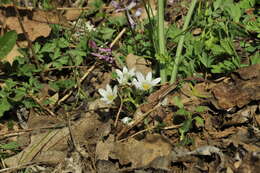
(7, 42)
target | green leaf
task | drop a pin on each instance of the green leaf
(206, 60)
(234, 11)
(182, 111)
(186, 126)
(4, 106)
(225, 44)
(199, 121)
(7, 42)
(9, 146)
(200, 109)
(107, 33)
(217, 4)
(255, 59)
(48, 47)
(177, 102)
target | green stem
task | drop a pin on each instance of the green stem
(161, 38)
(178, 57)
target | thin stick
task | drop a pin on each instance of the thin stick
(42, 106)
(119, 110)
(117, 37)
(81, 80)
(126, 129)
(30, 46)
(12, 169)
(151, 128)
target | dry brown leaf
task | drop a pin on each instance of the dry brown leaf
(12, 55)
(72, 14)
(88, 129)
(242, 116)
(34, 29)
(49, 17)
(139, 63)
(222, 134)
(241, 90)
(138, 153)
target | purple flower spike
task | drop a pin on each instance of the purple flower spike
(115, 4)
(103, 57)
(108, 50)
(92, 44)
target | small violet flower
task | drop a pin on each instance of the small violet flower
(124, 76)
(145, 83)
(108, 95)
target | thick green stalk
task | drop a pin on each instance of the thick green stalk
(178, 57)
(161, 38)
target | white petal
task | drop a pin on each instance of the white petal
(108, 101)
(136, 84)
(115, 91)
(132, 72)
(149, 76)
(102, 92)
(156, 81)
(125, 70)
(109, 89)
(120, 80)
(119, 73)
(126, 120)
(139, 76)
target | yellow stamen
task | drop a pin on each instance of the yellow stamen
(110, 97)
(146, 86)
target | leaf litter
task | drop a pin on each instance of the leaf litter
(85, 140)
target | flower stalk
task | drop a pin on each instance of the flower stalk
(178, 57)
(161, 39)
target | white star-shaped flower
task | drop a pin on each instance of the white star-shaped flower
(124, 76)
(108, 95)
(145, 83)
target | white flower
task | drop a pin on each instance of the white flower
(145, 83)
(90, 27)
(126, 120)
(125, 76)
(108, 95)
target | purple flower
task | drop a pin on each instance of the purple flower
(101, 53)
(123, 7)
